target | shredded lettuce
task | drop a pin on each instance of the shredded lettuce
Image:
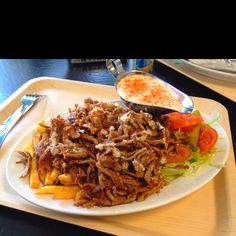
(196, 163)
(213, 121)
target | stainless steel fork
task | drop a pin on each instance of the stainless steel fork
(27, 101)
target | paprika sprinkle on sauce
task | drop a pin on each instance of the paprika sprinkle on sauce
(147, 90)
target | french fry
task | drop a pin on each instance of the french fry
(29, 148)
(54, 174)
(39, 129)
(65, 195)
(66, 179)
(48, 180)
(34, 176)
(51, 176)
(54, 189)
(42, 174)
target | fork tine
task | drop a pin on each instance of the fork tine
(33, 95)
(29, 99)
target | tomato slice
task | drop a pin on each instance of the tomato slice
(181, 154)
(178, 120)
(207, 139)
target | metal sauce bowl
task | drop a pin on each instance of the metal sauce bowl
(115, 67)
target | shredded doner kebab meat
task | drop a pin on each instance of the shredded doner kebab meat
(112, 153)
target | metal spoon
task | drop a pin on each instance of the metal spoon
(115, 67)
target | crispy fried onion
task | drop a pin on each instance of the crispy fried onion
(26, 160)
(112, 153)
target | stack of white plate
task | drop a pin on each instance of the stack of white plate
(222, 69)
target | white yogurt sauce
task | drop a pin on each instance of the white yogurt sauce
(147, 90)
